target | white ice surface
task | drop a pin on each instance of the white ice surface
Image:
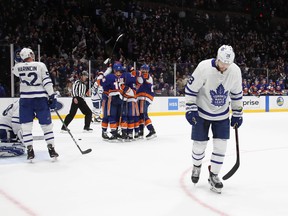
(149, 178)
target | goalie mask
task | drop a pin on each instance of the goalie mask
(226, 54)
(27, 53)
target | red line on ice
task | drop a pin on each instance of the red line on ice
(193, 197)
(18, 204)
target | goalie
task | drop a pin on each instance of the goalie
(10, 132)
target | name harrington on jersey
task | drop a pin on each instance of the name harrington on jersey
(27, 68)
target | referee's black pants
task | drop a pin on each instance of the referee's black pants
(82, 105)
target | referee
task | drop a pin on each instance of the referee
(78, 93)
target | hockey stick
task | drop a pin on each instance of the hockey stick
(107, 60)
(237, 164)
(83, 152)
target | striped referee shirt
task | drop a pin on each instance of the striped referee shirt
(79, 89)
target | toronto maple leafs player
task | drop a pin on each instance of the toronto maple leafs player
(10, 132)
(208, 92)
(36, 97)
(96, 97)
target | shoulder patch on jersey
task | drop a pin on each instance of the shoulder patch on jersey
(219, 97)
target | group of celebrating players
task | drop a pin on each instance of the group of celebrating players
(125, 95)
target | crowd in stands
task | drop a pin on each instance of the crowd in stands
(72, 32)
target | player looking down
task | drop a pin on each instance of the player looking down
(207, 95)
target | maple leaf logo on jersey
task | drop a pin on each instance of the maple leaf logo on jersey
(219, 97)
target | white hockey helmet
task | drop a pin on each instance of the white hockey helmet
(226, 54)
(26, 53)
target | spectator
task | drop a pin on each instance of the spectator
(2, 91)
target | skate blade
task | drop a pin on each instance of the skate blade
(151, 137)
(128, 140)
(54, 159)
(216, 190)
(113, 141)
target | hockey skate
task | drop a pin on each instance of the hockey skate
(30, 153)
(195, 174)
(129, 137)
(124, 136)
(136, 136)
(141, 134)
(105, 136)
(215, 183)
(152, 134)
(114, 136)
(52, 152)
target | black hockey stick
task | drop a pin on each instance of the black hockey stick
(83, 152)
(110, 57)
(237, 164)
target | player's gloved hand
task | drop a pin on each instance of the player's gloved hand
(124, 88)
(192, 113)
(191, 117)
(52, 101)
(100, 75)
(236, 121)
(108, 60)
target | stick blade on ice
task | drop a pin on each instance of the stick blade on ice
(237, 164)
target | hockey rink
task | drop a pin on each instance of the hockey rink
(149, 178)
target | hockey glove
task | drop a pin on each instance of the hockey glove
(108, 60)
(236, 121)
(52, 101)
(192, 113)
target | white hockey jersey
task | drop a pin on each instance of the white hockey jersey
(35, 79)
(9, 118)
(212, 90)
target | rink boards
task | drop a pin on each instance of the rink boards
(176, 105)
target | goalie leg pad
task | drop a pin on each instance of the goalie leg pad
(11, 149)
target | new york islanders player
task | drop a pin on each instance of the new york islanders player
(104, 104)
(110, 83)
(129, 105)
(145, 96)
(207, 95)
(36, 98)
